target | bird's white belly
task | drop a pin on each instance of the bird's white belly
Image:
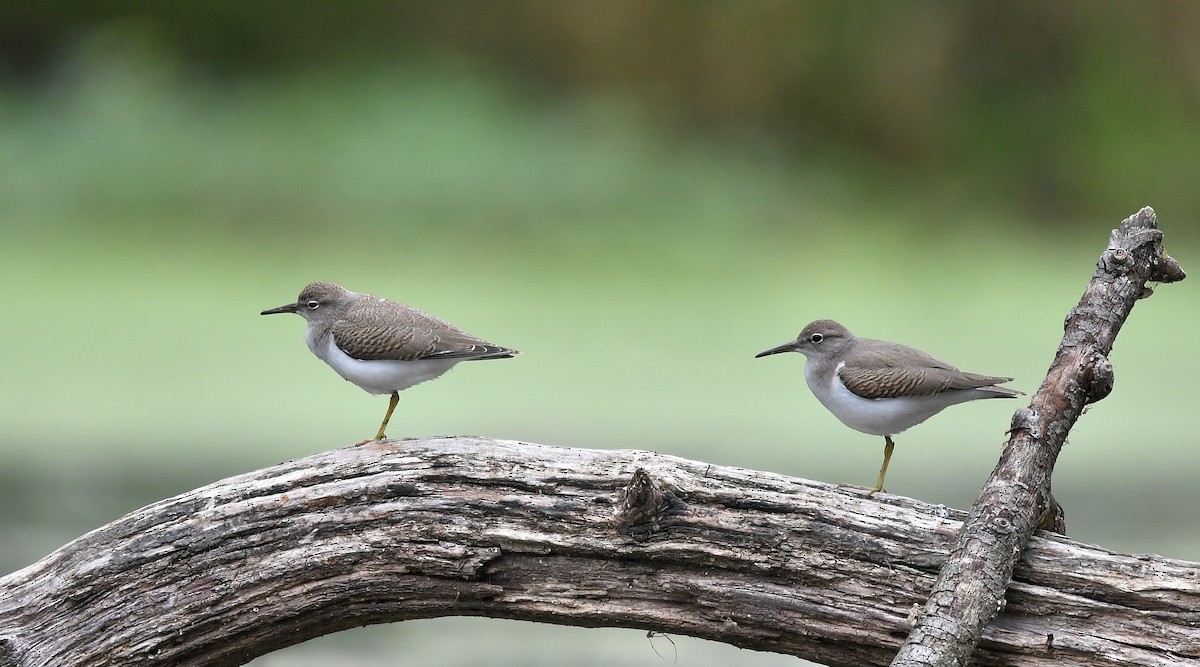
(378, 376)
(881, 416)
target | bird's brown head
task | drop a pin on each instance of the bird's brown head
(822, 337)
(317, 297)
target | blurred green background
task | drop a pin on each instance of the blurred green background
(638, 195)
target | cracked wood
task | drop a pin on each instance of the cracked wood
(470, 526)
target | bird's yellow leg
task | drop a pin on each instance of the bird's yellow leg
(386, 418)
(887, 456)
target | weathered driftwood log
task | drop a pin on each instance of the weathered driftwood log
(1016, 499)
(470, 526)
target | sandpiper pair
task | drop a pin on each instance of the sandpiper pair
(872, 386)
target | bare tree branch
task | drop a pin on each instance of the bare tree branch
(469, 526)
(970, 589)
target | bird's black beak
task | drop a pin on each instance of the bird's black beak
(786, 347)
(290, 308)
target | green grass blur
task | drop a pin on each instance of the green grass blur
(146, 218)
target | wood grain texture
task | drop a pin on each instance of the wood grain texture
(470, 526)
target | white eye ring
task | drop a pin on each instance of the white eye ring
(313, 305)
(816, 338)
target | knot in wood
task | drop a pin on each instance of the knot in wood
(1099, 377)
(10, 654)
(1167, 270)
(1051, 516)
(1002, 524)
(1026, 420)
(1116, 261)
(641, 506)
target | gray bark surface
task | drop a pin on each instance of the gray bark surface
(469, 526)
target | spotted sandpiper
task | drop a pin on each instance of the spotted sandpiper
(382, 346)
(882, 388)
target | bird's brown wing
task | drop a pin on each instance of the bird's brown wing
(914, 381)
(407, 334)
(873, 377)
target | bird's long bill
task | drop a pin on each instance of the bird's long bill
(786, 347)
(289, 308)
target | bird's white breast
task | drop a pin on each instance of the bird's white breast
(376, 376)
(880, 416)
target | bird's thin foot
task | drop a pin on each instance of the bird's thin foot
(871, 490)
(363, 442)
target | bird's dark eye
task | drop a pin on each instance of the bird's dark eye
(816, 338)
(313, 305)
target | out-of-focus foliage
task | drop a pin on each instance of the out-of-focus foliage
(1064, 106)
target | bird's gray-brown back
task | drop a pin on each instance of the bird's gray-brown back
(376, 329)
(882, 369)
